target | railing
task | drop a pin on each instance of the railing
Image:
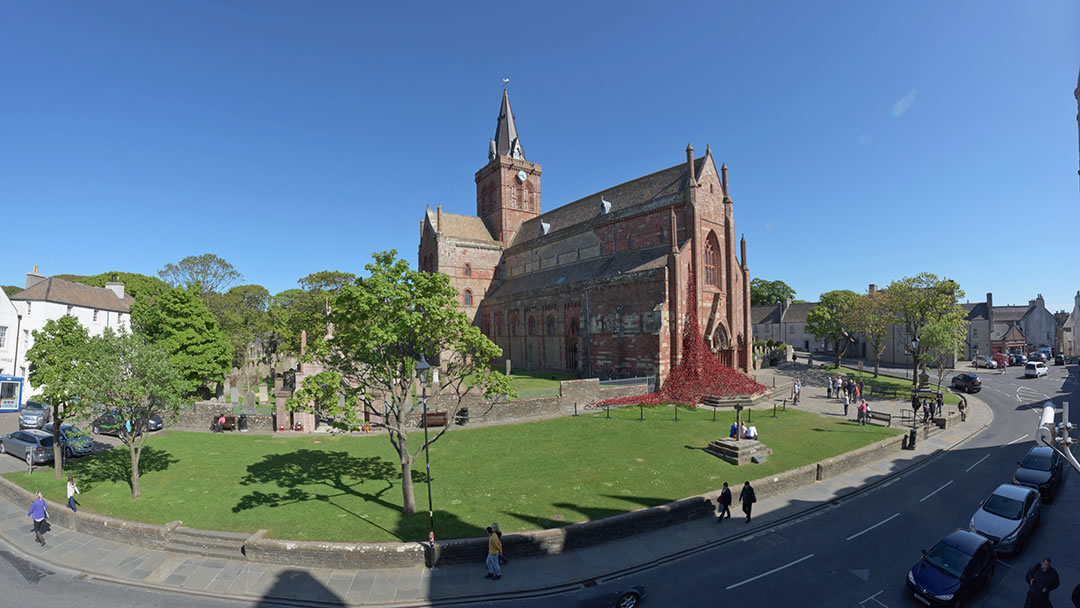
(614, 382)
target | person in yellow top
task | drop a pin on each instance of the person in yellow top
(494, 549)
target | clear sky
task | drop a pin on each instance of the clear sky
(865, 140)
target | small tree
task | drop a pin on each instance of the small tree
(59, 361)
(382, 324)
(763, 293)
(871, 318)
(916, 302)
(832, 320)
(940, 342)
(134, 380)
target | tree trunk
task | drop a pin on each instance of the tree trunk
(58, 450)
(408, 495)
(877, 364)
(135, 453)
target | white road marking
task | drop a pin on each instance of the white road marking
(874, 597)
(872, 527)
(1004, 563)
(1017, 439)
(936, 491)
(976, 463)
(773, 571)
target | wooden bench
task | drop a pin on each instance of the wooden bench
(883, 390)
(433, 419)
(229, 424)
(886, 418)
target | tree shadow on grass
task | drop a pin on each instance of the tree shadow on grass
(321, 475)
(115, 465)
(590, 513)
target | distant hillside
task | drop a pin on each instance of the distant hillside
(11, 289)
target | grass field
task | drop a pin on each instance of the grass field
(900, 383)
(526, 476)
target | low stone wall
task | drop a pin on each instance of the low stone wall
(781, 483)
(831, 467)
(151, 536)
(344, 556)
(575, 536)
(199, 416)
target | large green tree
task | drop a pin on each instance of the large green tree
(59, 361)
(133, 380)
(764, 293)
(243, 313)
(941, 341)
(179, 322)
(295, 311)
(871, 318)
(383, 324)
(832, 319)
(210, 272)
(918, 301)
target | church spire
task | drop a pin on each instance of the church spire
(506, 142)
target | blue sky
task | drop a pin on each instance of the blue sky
(865, 140)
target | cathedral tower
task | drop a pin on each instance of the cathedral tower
(508, 186)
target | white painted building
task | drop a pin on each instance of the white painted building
(45, 299)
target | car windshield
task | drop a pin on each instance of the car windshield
(949, 560)
(1037, 462)
(1009, 508)
(33, 408)
(46, 442)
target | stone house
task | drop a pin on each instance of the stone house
(598, 286)
(1070, 341)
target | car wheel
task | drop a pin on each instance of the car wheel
(3, 450)
(68, 453)
(629, 599)
(96, 430)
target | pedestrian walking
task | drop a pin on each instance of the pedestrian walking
(796, 390)
(847, 402)
(928, 410)
(39, 513)
(1041, 580)
(747, 497)
(940, 404)
(498, 532)
(724, 503)
(72, 490)
(1004, 366)
(494, 549)
(828, 388)
(962, 406)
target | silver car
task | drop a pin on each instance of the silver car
(75, 441)
(1008, 516)
(34, 415)
(35, 447)
(984, 361)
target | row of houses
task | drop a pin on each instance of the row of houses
(991, 329)
(44, 299)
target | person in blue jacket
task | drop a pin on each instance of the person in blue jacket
(38, 513)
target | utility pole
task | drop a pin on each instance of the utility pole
(1056, 436)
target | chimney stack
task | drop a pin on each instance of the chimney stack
(116, 287)
(873, 289)
(33, 278)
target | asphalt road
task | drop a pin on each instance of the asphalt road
(857, 551)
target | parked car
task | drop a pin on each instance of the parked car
(984, 361)
(1059, 359)
(1037, 356)
(969, 383)
(1008, 516)
(75, 441)
(1035, 369)
(33, 446)
(613, 597)
(1041, 469)
(1018, 360)
(953, 570)
(34, 415)
(110, 423)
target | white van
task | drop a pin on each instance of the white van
(1035, 369)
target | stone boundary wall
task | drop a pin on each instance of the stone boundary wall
(316, 554)
(581, 392)
(151, 536)
(831, 467)
(198, 417)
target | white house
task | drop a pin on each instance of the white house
(45, 299)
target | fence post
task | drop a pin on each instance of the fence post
(676, 412)
(714, 414)
(607, 411)
(774, 409)
(783, 408)
(749, 414)
(575, 408)
(642, 410)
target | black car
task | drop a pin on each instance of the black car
(952, 571)
(1041, 469)
(967, 382)
(1059, 359)
(613, 596)
(110, 424)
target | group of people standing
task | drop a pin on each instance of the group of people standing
(849, 391)
(933, 407)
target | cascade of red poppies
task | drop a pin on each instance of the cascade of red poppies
(699, 374)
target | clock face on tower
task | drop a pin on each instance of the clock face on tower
(522, 176)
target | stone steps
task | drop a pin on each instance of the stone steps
(738, 452)
(208, 543)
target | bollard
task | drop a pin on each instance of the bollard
(607, 411)
(774, 409)
(714, 414)
(575, 408)
(642, 409)
(783, 408)
(749, 414)
(676, 412)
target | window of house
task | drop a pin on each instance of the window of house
(712, 264)
(96, 315)
(467, 298)
(26, 338)
(70, 308)
(468, 270)
(28, 308)
(3, 336)
(119, 317)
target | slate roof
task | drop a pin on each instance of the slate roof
(976, 311)
(467, 227)
(796, 313)
(1010, 313)
(661, 186)
(1006, 331)
(588, 270)
(60, 291)
(506, 135)
(765, 314)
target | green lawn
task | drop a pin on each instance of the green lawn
(900, 383)
(526, 476)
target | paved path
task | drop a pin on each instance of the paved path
(108, 560)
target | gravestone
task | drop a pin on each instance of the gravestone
(250, 399)
(263, 394)
(234, 395)
(279, 381)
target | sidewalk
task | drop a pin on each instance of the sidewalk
(218, 577)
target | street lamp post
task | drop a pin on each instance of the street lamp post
(422, 368)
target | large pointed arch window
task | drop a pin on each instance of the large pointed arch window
(712, 262)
